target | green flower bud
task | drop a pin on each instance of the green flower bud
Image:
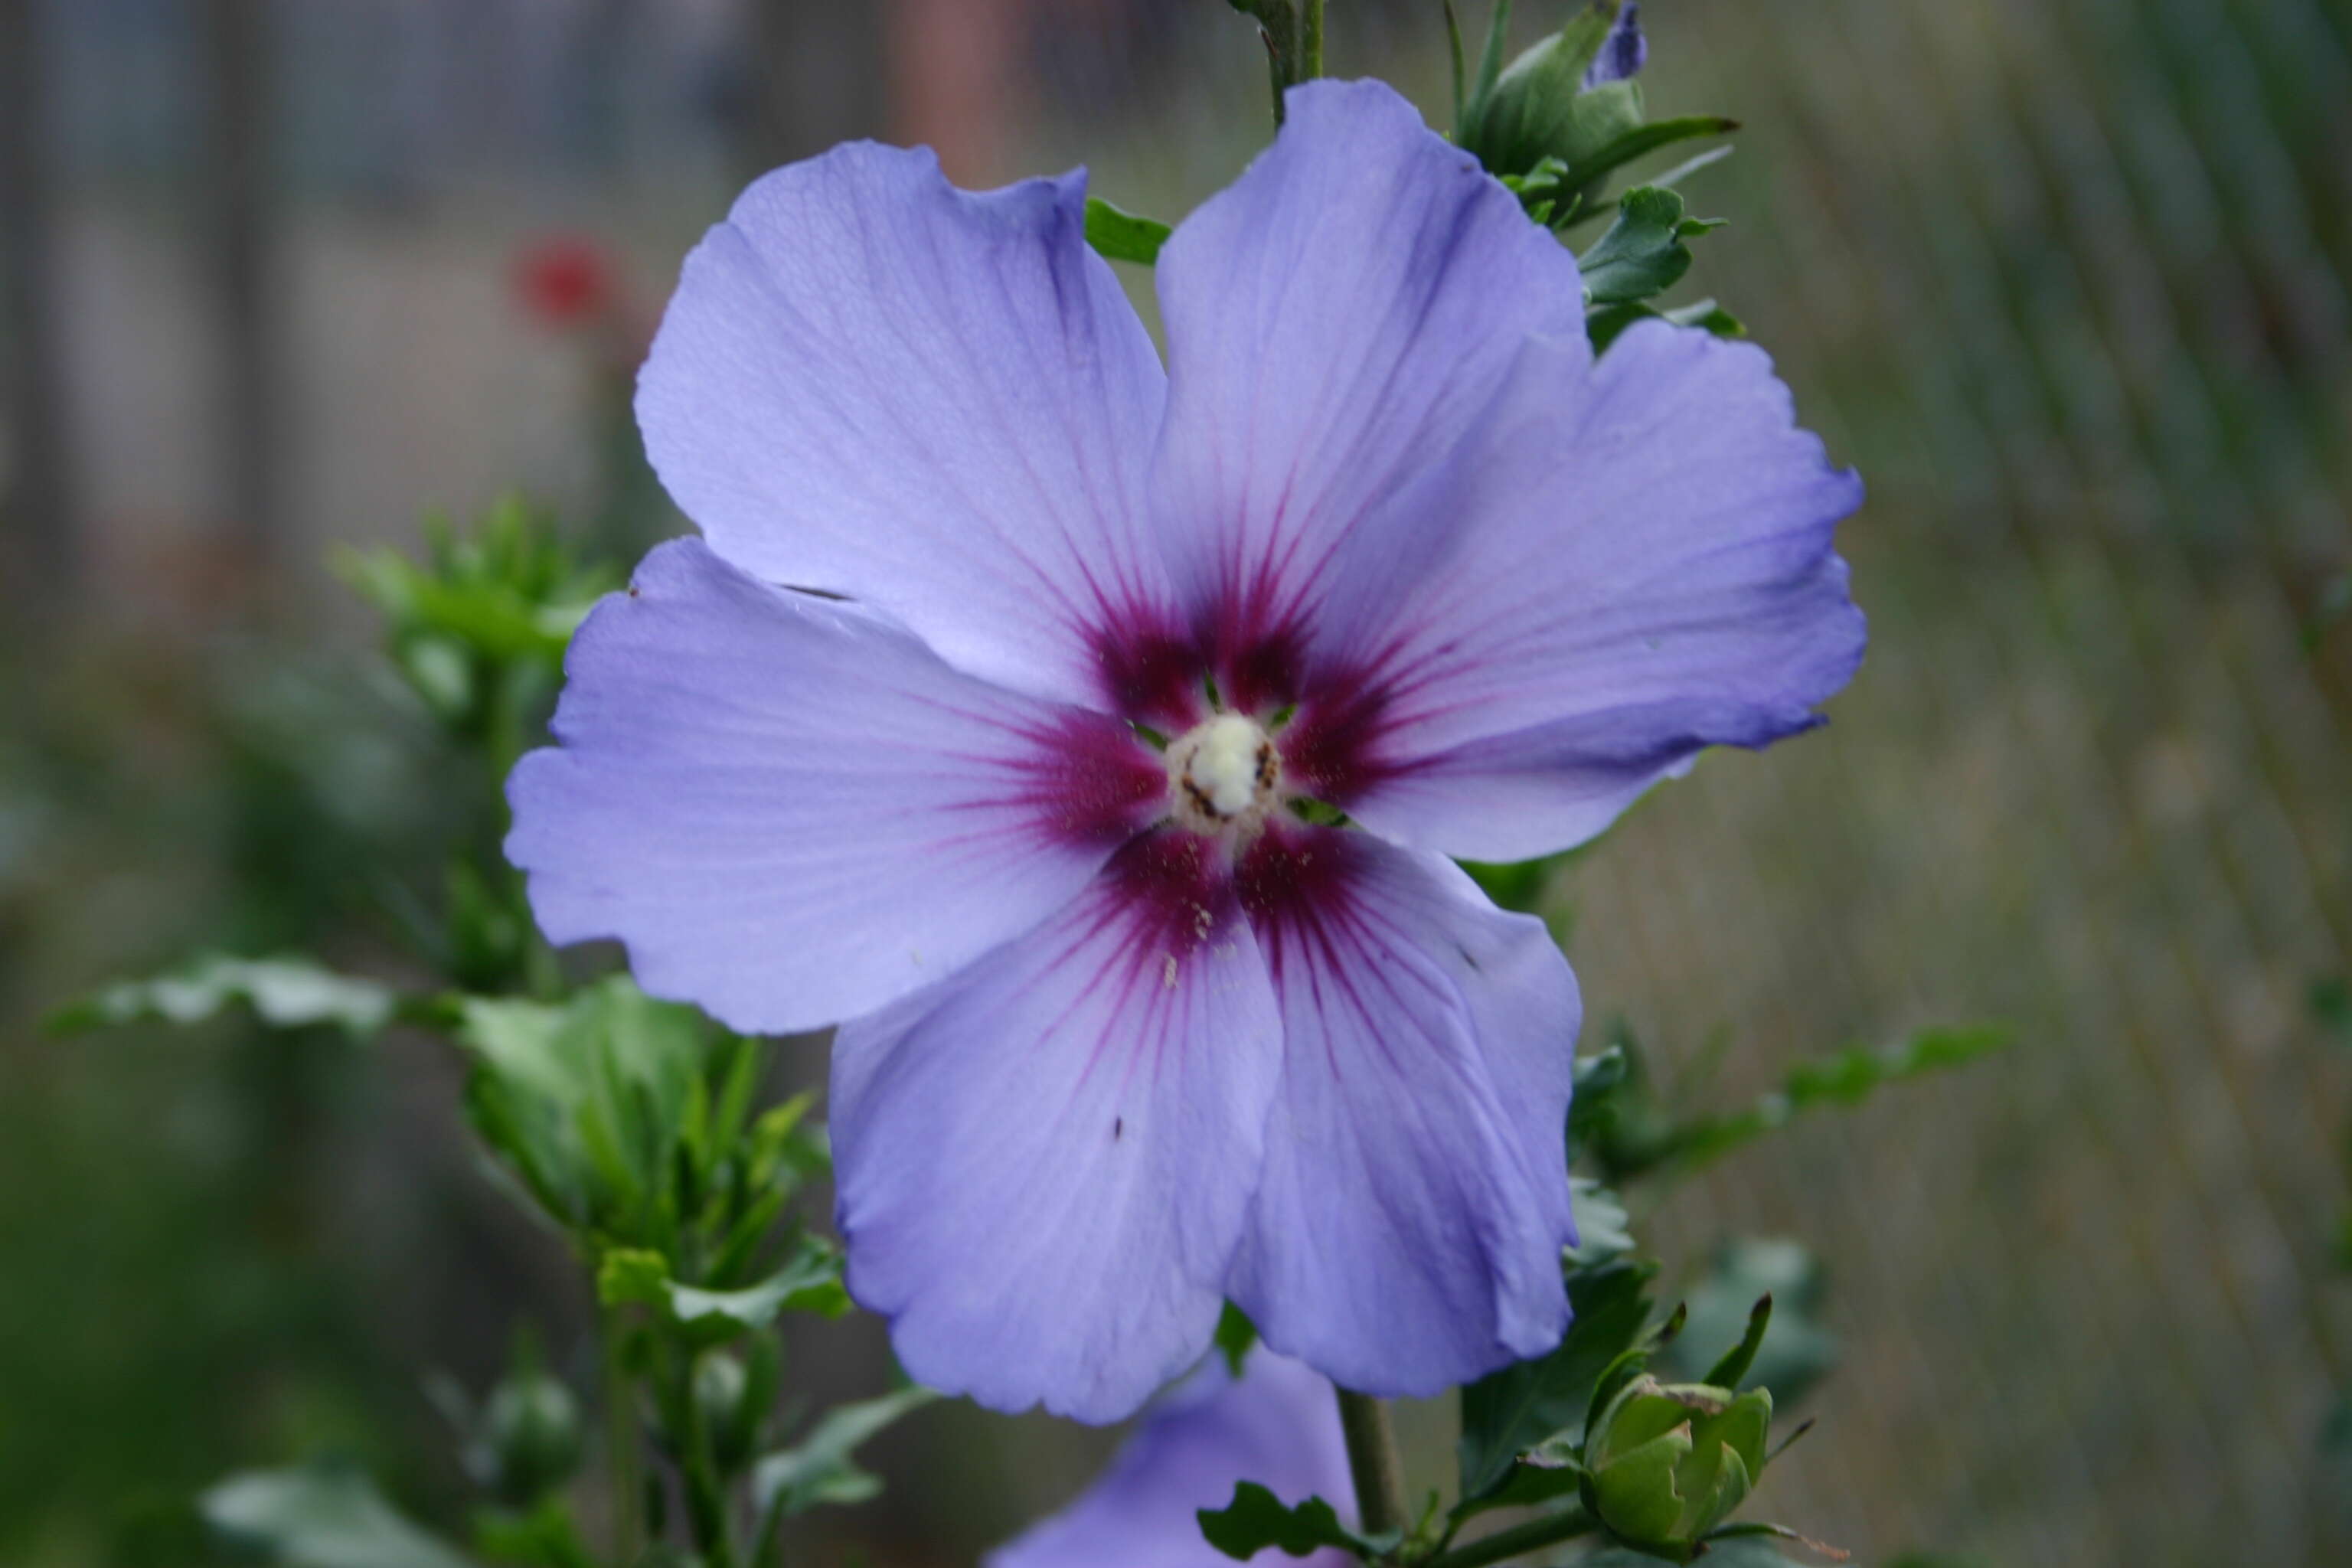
(720, 1385)
(1567, 98)
(532, 1424)
(1668, 1462)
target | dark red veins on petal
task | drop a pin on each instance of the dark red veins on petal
(1263, 673)
(1297, 886)
(1328, 748)
(1291, 874)
(1150, 673)
(1257, 653)
(1177, 889)
(1089, 780)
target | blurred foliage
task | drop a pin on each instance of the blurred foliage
(166, 800)
(480, 627)
(635, 1130)
(321, 1517)
(288, 992)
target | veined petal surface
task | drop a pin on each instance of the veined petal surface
(1627, 562)
(792, 811)
(935, 401)
(1044, 1162)
(1277, 1425)
(1407, 1230)
(1336, 318)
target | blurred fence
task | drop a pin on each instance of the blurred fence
(2068, 281)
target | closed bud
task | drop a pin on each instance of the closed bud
(1568, 98)
(1668, 1462)
(531, 1426)
(721, 1387)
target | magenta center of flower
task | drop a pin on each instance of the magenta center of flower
(1222, 775)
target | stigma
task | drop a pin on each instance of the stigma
(1222, 776)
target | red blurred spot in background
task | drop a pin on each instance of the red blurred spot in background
(564, 282)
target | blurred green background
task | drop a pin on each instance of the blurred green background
(2068, 281)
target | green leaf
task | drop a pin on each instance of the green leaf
(1601, 1223)
(1606, 323)
(1615, 1120)
(1708, 316)
(589, 1101)
(1236, 1335)
(1642, 140)
(1543, 1474)
(508, 588)
(1453, 57)
(1727, 1372)
(1122, 235)
(320, 1516)
(1689, 166)
(1599, 1075)
(818, 1469)
(1490, 57)
(1256, 1520)
(285, 993)
(811, 1282)
(1642, 254)
(1516, 1410)
(1792, 1353)
(632, 1277)
(1550, 196)
(1845, 1078)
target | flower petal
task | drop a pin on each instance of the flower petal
(1622, 53)
(1277, 1425)
(1407, 1230)
(1642, 566)
(938, 401)
(792, 811)
(1044, 1162)
(1335, 320)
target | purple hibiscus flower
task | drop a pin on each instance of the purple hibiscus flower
(1276, 1425)
(1124, 1033)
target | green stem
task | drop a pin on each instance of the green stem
(1310, 40)
(1454, 50)
(706, 1493)
(768, 1550)
(1277, 24)
(1537, 1534)
(1372, 1460)
(621, 1442)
